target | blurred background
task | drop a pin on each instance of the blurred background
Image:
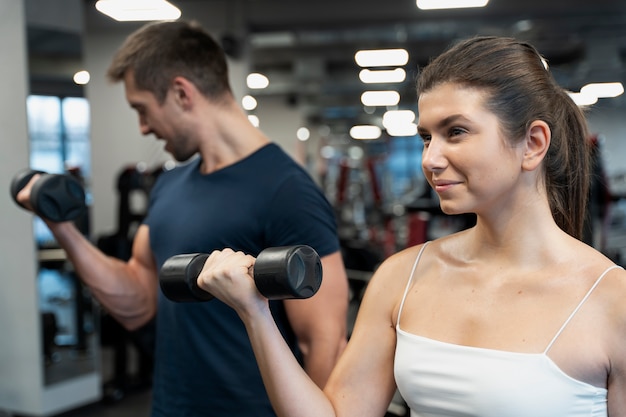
(295, 67)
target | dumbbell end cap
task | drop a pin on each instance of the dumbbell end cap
(19, 181)
(283, 272)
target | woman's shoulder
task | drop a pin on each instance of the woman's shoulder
(609, 303)
(605, 281)
(395, 271)
(403, 259)
(611, 281)
(423, 253)
(598, 265)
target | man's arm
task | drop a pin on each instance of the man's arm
(320, 322)
(127, 290)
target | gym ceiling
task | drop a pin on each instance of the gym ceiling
(306, 48)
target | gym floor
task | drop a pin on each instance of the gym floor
(134, 404)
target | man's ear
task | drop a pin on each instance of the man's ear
(183, 91)
(537, 143)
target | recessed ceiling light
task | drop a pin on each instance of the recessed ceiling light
(398, 117)
(583, 99)
(254, 120)
(450, 4)
(257, 81)
(248, 102)
(81, 77)
(138, 10)
(382, 76)
(303, 134)
(382, 57)
(365, 132)
(380, 98)
(603, 90)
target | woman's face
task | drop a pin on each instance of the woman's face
(466, 159)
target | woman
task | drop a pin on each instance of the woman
(512, 317)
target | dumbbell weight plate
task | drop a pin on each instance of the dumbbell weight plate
(58, 197)
(288, 272)
(188, 265)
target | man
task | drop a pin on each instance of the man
(236, 189)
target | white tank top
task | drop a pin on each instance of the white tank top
(439, 379)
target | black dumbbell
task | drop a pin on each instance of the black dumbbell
(56, 197)
(279, 273)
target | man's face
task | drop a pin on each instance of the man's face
(160, 119)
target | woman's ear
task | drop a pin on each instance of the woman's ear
(536, 145)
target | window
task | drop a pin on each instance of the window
(59, 134)
(58, 129)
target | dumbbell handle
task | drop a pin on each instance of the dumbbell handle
(279, 273)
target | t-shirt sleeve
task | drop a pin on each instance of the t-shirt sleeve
(301, 215)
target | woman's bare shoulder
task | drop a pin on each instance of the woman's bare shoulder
(402, 261)
(394, 272)
(613, 291)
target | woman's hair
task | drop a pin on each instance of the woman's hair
(158, 52)
(521, 90)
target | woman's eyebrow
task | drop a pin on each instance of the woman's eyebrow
(446, 121)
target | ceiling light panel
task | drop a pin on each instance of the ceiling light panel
(365, 132)
(380, 98)
(403, 131)
(256, 80)
(382, 76)
(138, 10)
(382, 58)
(450, 4)
(603, 90)
(583, 99)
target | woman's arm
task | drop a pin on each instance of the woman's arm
(361, 384)
(319, 322)
(617, 339)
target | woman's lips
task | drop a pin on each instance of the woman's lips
(441, 186)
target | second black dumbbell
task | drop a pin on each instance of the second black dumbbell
(279, 273)
(56, 197)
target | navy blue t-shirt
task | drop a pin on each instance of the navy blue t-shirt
(204, 363)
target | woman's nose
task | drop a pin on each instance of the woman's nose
(433, 156)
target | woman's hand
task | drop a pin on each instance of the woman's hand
(228, 276)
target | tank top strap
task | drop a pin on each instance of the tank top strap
(571, 316)
(408, 284)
